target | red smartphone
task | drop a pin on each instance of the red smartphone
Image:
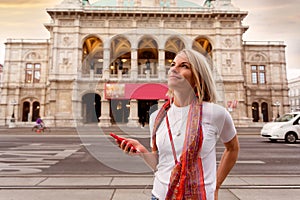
(120, 139)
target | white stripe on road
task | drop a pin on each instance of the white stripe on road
(249, 162)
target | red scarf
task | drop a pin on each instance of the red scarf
(187, 179)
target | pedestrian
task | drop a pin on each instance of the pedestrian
(39, 123)
(184, 134)
(143, 121)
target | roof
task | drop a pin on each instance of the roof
(180, 3)
(105, 3)
(183, 3)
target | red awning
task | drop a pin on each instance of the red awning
(146, 91)
(151, 91)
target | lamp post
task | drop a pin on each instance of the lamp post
(13, 120)
(277, 104)
(14, 103)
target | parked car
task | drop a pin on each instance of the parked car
(286, 127)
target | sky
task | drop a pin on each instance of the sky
(268, 20)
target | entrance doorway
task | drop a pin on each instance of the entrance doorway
(119, 110)
(91, 107)
(255, 112)
(145, 109)
(30, 112)
(35, 111)
(264, 111)
(26, 111)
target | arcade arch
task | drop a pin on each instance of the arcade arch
(203, 45)
(120, 51)
(30, 110)
(92, 56)
(147, 56)
(91, 107)
(173, 46)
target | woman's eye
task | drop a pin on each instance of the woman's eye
(185, 66)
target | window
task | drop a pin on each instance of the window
(33, 73)
(258, 74)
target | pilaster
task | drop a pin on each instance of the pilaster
(133, 119)
(105, 118)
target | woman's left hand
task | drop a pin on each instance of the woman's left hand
(216, 194)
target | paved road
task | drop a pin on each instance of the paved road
(65, 165)
(96, 154)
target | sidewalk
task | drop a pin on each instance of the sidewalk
(138, 187)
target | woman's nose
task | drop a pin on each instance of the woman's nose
(173, 69)
(174, 66)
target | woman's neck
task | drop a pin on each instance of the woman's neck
(183, 99)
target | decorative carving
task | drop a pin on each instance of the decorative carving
(67, 41)
(33, 56)
(228, 62)
(148, 24)
(228, 43)
(93, 23)
(66, 22)
(65, 61)
(120, 23)
(175, 24)
(202, 24)
(258, 58)
(226, 24)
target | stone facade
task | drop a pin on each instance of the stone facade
(94, 47)
(294, 94)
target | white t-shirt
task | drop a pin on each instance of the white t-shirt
(216, 123)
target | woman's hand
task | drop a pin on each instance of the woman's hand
(150, 158)
(216, 194)
(132, 147)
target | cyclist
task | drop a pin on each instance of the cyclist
(39, 123)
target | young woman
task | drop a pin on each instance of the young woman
(184, 134)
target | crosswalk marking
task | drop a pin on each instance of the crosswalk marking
(32, 158)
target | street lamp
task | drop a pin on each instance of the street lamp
(14, 103)
(277, 104)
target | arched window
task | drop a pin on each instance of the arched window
(35, 110)
(26, 111)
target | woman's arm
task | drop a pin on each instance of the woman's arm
(150, 158)
(227, 162)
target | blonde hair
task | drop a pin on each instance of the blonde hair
(205, 87)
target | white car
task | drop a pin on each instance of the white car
(286, 127)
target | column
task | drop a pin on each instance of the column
(106, 63)
(133, 119)
(134, 66)
(161, 65)
(105, 118)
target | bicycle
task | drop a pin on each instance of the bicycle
(37, 128)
